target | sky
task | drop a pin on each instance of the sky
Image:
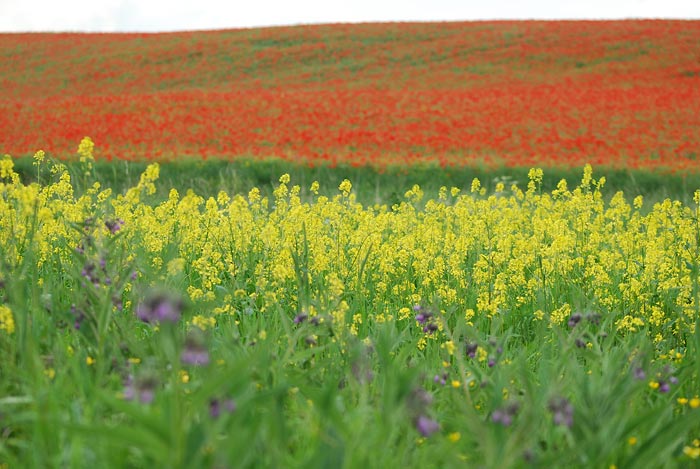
(177, 15)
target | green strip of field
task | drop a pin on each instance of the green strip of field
(371, 185)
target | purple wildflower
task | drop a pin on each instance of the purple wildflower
(471, 349)
(422, 314)
(90, 273)
(160, 308)
(562, 411)
(216, 406)
(79, 316)
(639, 373)
(301, 317)
(114, 225)
(505, 415)
(574, 319)
(426, 426)
(502, 417)
(195, 353)
(142, 390)
(426, 319)
(441, 379)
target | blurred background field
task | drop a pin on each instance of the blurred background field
(622, 94)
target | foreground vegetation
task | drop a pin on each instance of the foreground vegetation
(513, 327)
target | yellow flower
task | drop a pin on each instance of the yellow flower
(682, 400)
(7, 322)
(89, 360)
(203, 322)
(454, 437)
(456, 383)
(184, 377)
(632, 440)
(692, 453)
(695, 402)
(175, 266)
(85, 150)
(345, 187)
(476, 185)
(39, 157)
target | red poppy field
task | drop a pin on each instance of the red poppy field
(609, 93)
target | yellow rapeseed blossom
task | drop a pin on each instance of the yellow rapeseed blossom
(203, 322)
(561, 314)
(449, 346)
(345, 187)
(7, 322)
(476, 185)
(483, 257)
(175, 266)
(692, 452)
(39, 157)
(85, 150)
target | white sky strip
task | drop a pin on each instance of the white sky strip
(169, 15)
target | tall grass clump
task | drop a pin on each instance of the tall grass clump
(515, 328)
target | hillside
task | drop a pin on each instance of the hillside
(617, 93)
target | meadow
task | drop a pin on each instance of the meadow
(477, 245)
(511, 328)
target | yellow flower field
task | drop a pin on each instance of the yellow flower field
(467, 326)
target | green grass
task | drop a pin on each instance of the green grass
(372, 186)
